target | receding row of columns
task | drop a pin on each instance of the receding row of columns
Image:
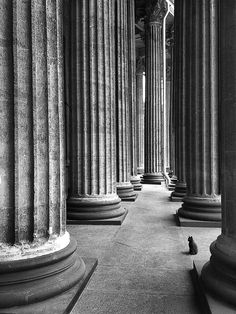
(204, 98)
(100, 92)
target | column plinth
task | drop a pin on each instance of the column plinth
(219, 274)
(153, 165)
(89, 55)
(125, 190)
(201, 208)
(153, 178)
(180, 190)
(135, 181)
(94, 207)
(202, 201)
(29, 280)
(37, 258)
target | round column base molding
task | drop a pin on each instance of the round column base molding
(152, 178)
(201, 208)
(180, 190)
(126, 191)
(135, 181)
(219, 274)
(174, 179)
(140, 170)
(94, 207)
(35, 279)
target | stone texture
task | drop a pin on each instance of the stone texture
(179, 100)
(140, 69)
(60, 304)
(32, 170)
(153, 166)
(135, 180)
(219, 274)
(202, 201)
(139, 303)
(125, 189)
(92, 172)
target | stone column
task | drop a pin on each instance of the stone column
(37, 257)
(219, 273)
(153, 167)
(181, 24)
(171, 116)
(92, 189)
(202, 201)
(135, 180)
(140, 114)
(125, 189)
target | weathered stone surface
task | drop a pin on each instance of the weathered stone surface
(202, 201)
(219, 273)
(32, 167)
(90, 58)
(125, 189)
(140, 114)
(180, 57)
(153, 165)
(132, 102)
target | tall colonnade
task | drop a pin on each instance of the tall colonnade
(75, 131)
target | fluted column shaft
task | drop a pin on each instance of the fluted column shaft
(135, 180)
(32, 165)
(219, 274)
(92, 191)
(172, 105)
(125, 189)
(153, 164)
(202, 201)
(181, 25)
(140, 115)
(171, 128)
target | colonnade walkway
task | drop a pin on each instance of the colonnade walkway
(143, 265)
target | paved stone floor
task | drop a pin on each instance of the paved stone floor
(144, 264)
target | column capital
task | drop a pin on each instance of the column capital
(156, 10)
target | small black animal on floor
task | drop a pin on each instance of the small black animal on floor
(193, 250)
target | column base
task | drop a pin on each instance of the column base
(209, 303)
(185, 222)
(135, 181)
(179, 192)
(201, 208)
(140, 170)
(219, 274)
(173, 181)
(152, 178)
(31, 280)
(126, 192)
(94, 207)
(117, 221)
(64, 302)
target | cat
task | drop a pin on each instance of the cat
(193, 249)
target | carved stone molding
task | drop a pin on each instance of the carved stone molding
(156, 10)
